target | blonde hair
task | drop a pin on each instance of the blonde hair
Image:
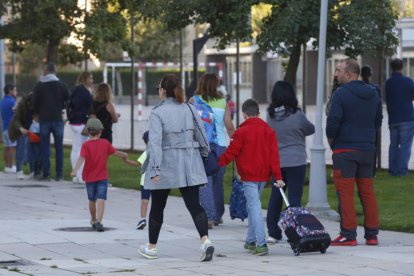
(83, 77)
(103, 93)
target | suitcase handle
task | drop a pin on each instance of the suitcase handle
(284, 197)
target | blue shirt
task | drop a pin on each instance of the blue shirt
(399, 93)
(6, 106)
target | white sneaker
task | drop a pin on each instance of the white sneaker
(13, 169)
(31, 175)
(10, 169)
(147, 252)
(207, 250)
(271, 240)
(20, 175)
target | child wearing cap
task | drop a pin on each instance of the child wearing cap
(95, 153)
(145, 194)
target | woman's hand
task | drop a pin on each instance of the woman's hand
(279, 183)
(155, 179)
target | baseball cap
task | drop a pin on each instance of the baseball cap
(94, 123)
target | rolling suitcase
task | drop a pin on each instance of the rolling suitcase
(304, 231)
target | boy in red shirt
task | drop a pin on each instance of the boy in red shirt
(254, 146)
(95, 153)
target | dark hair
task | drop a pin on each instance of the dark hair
(93, 131)
(171, 84)
(284, 95)
(250, 107)
(145, 137)
(366, 73)
(396, 65)
(8, 88)
(51, 68)
(351, 65)
(207, 87)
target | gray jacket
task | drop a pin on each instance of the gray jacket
(291, 131)
(174, 147)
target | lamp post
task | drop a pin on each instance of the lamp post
(318, 200)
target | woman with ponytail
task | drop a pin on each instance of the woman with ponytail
(176, 143)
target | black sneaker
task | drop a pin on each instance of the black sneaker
(93, 225)
(141, 224)
(99, 227)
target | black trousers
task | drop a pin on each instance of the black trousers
(191, 200)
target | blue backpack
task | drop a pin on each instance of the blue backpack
(207, 117)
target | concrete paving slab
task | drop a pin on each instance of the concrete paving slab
(30, 218)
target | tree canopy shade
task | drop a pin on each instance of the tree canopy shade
(45, 22)
(360, 27)
(229, 20)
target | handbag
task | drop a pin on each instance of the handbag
(211, 165)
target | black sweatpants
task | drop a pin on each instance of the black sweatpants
(191, 199)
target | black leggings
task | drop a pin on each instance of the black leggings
(192, 202)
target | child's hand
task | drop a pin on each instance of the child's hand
(73, 173)
(279, 183)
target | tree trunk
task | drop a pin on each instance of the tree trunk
(292, 67)
(52, 49)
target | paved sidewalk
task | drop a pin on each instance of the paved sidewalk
(32, 213)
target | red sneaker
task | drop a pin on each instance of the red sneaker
(342, 241)
(372, 241)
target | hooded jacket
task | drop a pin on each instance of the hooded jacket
(254, 146)
(354, 117)
(50, 97)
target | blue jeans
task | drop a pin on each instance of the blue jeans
(56, 128)
(97, 190)
(35, 158)
(401, 140)
(294, 177)
(21, 152)
(255, 232)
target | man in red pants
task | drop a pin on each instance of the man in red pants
(354, 117)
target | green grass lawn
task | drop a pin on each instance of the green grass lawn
(394, 194)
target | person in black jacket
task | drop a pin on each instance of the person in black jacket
(78, 109)
(354, 117)
(50, 97)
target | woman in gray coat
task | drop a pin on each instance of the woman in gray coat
(291, 127)
(174, 161)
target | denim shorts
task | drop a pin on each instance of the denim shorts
(145, 194)
(6, 140)
(97, 190)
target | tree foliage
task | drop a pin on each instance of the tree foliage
(45, 22)
(361, 27)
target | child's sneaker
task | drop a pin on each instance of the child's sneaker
(343, 241)
(207, 250)
(99, 226)
(372, 241)
(260, 250)
(250, 246)
(141, 224)
(93, 224)
(147, 252)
